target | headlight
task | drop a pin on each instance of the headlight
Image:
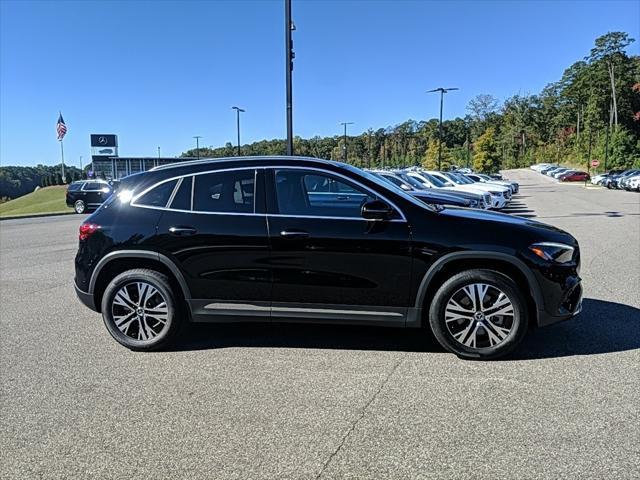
(553, 252)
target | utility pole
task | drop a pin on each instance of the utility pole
(606, 143)
(442, 92)
(290, 55)
(345, 138)
(238, 110)
(197, 137)
(81, 167)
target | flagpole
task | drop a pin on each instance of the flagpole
(64, 180)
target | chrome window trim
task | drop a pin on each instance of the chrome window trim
(256, 168)
(173, 194)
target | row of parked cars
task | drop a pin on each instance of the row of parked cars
(614, 179)
(619, 179)
(463, 188)
(562, 174)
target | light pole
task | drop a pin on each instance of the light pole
(238, 110)
(442, 92)
(345, 138)
(288, 28)
(80, 167)
(197, 137)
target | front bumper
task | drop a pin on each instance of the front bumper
(86, 298)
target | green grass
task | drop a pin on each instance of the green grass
(45, 200)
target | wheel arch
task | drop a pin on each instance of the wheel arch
(117, 262)
(456, 262)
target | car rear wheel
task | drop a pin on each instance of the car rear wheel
(140, 311)
(479, 314)
(79, 206)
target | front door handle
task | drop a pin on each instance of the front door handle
(182, 231)
(294, 234)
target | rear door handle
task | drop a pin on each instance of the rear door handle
(294, 234)
(182, 231)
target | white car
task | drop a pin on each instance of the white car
(498, 193)
(559, 173)
(596, 179)
(633, 183)
(481, 178)
(540, 166)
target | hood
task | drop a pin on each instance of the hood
(502, 223)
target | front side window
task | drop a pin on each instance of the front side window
(225, 192)
(308, 193)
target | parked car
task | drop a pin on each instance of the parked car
(502, 194)
(430, 196)
(87, 195)
(423, 181)
(623, 183)
(633, 184)
(561, 173)
(254, 239)
(478, 177)
(574, 176)
(613, 180)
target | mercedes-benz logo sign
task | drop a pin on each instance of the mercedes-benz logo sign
(102, 140)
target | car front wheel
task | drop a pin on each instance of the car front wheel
(479, 314)
(140, 311)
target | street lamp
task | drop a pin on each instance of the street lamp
(197, 137)
(442, 92)
(345, 138)
(238, 110)
(289, 55)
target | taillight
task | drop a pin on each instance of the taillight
(87, 229)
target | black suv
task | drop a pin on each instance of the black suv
(288, 239)
(87, 195)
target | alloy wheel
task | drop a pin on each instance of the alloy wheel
(79, 206)
(480, 315)
(139, 311)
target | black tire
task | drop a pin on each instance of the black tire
(79, 206)
(517, 322)
(164, 334)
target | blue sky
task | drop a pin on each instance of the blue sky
(158, 73)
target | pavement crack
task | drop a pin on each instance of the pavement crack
(360, 417)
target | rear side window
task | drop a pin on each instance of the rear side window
(226, 192)
(94, 186)
(182, 198)
(157, 196)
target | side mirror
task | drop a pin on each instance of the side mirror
(376, 210)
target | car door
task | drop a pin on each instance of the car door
(95, 193)
(214, 228)
(328, 262)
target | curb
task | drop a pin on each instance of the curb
(37, 215)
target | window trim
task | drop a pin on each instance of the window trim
(98, 190)
(265, 169)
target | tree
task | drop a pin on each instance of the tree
(610, 48)
(486, 158)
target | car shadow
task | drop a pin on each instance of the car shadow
(602, 327)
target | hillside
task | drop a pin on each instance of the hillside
(44, 200)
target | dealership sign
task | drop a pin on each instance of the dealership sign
(104, 145)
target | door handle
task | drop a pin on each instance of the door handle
(182, 231)
(293, 234)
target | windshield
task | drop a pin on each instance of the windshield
(413, 181)
(434, 180)
(463, 179)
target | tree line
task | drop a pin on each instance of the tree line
(592, 112)
(18, 181)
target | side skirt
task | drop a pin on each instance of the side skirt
(225, 312)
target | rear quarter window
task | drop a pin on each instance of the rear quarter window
(158, 196)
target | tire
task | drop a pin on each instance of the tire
(135, 325)
(79, 206)
(464, 330)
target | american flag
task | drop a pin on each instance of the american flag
(61, 128)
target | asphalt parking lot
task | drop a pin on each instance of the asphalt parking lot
(324, 402)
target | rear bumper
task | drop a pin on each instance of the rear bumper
(86, 298)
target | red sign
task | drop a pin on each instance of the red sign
(595, 163)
